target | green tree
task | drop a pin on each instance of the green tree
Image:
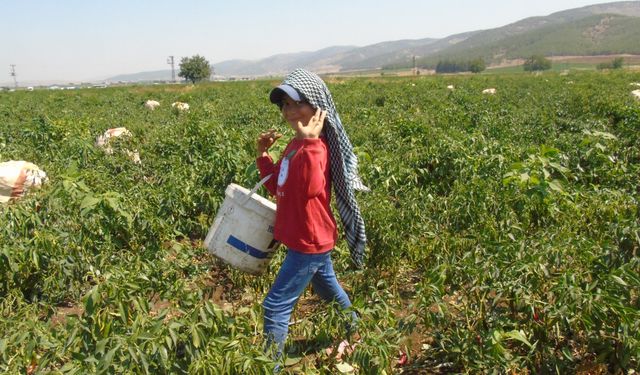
(195, 68)
(477, 65)
(617, 63)
(536, 63)
(455, 66)
(613, 64)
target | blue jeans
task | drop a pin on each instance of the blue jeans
(296, 272)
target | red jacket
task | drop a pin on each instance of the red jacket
(301, 182)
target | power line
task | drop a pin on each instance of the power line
(13, 74)
(173, 69)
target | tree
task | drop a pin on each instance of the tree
(617, 63)
(477, 65)
(536, 63)
(195, 68)
(613, 64)
(455, 66)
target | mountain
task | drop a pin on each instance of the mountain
(319, 61)
(334, 59)
(157, 75)
(381, 54)
(593, 30)
(601, 29)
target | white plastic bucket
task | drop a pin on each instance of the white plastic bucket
(242, 232)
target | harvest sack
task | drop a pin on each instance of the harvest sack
(103, 141)
(17, 177)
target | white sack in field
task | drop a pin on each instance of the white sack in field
(151, 104)
(180, 106)
(103, 140)
(17, 177)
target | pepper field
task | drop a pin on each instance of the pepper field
(504, 230)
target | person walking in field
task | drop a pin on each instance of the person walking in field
(318, 158)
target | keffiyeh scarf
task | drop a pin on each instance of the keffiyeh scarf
(344, 164)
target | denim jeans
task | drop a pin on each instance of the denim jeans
(296, 272)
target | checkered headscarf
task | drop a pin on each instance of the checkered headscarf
(344, 164)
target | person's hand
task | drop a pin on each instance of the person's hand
(313, 128)
(266, 140)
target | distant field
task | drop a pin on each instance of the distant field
(555, 67)
(559, 64)
(628, 59)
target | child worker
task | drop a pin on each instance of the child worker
(318, 157)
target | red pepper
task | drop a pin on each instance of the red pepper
(402, 360)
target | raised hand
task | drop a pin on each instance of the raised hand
(266, 140)
(313, 128)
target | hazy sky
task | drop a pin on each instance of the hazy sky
(74, 40)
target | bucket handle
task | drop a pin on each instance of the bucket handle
(255, 188)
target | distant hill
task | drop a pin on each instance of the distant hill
(601, 29)
(321, 60)
(600, 34)
(157, 75)
(385, 53)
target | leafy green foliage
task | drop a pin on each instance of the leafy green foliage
(503, 231)
(613, 64)
(447, 66)
(536, 63)
(195, 68)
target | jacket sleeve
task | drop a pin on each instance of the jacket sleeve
(314, 158)
(267, 167)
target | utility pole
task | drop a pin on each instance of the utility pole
(13, 74)
(415, 69)
(173, 69)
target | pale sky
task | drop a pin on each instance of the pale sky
(87, 40)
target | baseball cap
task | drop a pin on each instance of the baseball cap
(278, 92)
